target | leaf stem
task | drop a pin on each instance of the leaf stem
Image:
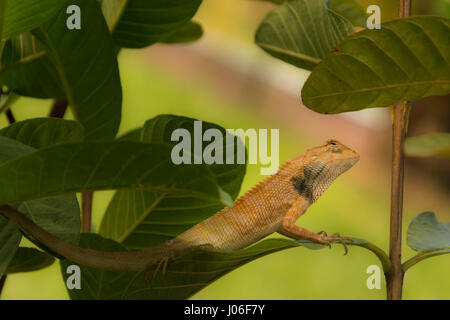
(385, 262)
(419, 257)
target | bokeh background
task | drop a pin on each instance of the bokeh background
(226, 79)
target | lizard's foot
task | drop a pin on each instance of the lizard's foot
(336, 237)
(162, 262)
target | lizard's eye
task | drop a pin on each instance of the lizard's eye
(332, 143)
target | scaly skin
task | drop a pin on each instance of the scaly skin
(273, 205)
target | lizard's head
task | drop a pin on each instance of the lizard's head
(334, 154)
(321, 166)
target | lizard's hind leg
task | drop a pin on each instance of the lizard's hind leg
(163, 261)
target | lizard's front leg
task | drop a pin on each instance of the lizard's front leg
(290, 229)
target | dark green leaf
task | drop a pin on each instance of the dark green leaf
(59, 215)
(406, 59)
(29, 259)
(433, 144)
(190, 32)
(9, 242)
(87, 67)
(78, 167)
(23, 58)
(302, 32)
(79, 65)
(426, 233)
(44, 132)
(24, 15)
(140, 23)
(142, 219)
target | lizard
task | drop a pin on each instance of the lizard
(273, 205)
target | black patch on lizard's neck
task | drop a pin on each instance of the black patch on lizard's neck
(305, 183)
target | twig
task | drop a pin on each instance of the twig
(59, 108)
(394, 279)
(10, 116)
(2, 283)
(86, 204)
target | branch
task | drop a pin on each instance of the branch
(394, 279)
(58, 110)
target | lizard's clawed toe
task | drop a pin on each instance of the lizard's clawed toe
(336, 237)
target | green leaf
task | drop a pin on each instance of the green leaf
(90, 166)
(24, 15)
(43, 132)
(426, 233)
(140, 23)
(29, 259)
(433, 144)
(190, 32)
(428, 236)
(302, 32)
(351, 10)
(406, 59)
(59, 215)
(79, 65)
(87, 67)
(142, 219)
(184, 277)
(10, 237)
(23, 58)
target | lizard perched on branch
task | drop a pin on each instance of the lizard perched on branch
(273, 205)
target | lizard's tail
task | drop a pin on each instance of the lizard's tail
(114, 261)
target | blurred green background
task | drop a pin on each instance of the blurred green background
(224, 78)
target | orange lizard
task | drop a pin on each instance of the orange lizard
(273, 205)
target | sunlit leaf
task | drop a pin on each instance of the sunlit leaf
(302, 32)
(406, 59)
(350, 9)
